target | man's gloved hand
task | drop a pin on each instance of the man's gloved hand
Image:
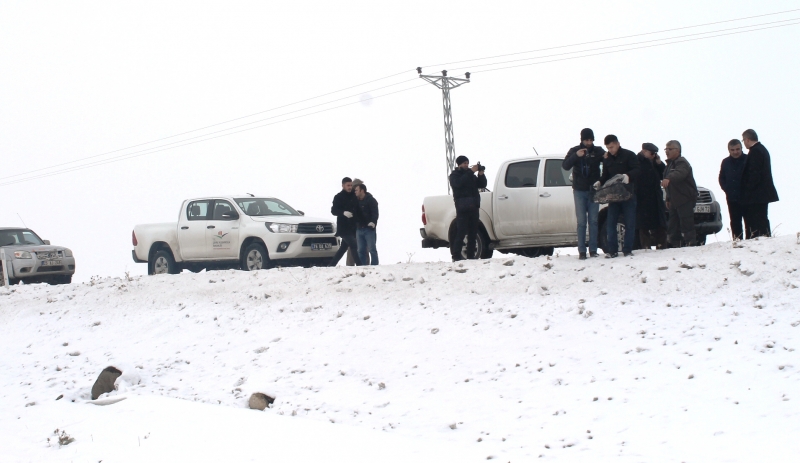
(596, 185)
(348, 214)
(625, 179)
(371, 225)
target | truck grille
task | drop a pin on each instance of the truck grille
(48, 255)
(703, 196)
(314, 228)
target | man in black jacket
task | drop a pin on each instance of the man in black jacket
(366, 221)
(651, 212)
(620, 161)
(465, 186)
(730, 180)
(758, 189)
(584, 160)
(344, 208)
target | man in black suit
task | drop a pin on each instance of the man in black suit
(758, 189)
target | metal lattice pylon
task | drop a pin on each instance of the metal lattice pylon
(446, 84)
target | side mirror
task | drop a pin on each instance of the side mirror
(47, 242)
(301, 212)
(230, 216)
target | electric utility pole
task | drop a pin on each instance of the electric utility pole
(446, 84)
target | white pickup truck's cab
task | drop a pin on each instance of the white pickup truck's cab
(531, 211)
(227, 231)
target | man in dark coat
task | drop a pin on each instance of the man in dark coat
(620, 161)
(584, 160)
(465, 186)
(758, 189)
(730, 180)
(651, 213)
(344, 208)
(367, 222)
(681, 197)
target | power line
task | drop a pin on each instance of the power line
(157, 149)
(616, 38)
(184, 142)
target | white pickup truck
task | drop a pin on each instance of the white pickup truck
(241, 231)
(531, 211)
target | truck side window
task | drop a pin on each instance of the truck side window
(198, 210)
(221, 207)
(554, 175)
(522, 174)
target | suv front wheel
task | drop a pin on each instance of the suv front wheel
(254, 257)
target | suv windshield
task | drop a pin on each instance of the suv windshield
(257, 207)
(19, 237)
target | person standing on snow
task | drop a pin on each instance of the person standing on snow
(350, 261)
(620, 161)
(466, 195)
(730, 180)
(681, 197)
(758, 188)
(366, 221)
(651, 212)
(344, 208)
(585, 160)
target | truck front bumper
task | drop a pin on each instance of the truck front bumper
(37, 269)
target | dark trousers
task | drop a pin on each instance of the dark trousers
(348, 241)
(736, 211)
(680, 227)
(468, 220)
(657, 238)
(756, 219)
(628, 211)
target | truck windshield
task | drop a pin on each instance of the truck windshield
(19, 237)
(258, 207)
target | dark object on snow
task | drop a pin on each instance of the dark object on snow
(105, 382)
(259, 401)
(613, 191)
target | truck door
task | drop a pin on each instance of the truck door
(556, 204)
(222, 232)
(516, 200)
(192, 229)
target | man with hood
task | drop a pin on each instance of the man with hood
(366, 221)
(681, 197)
(651, 212)
(585, 160)
(466, 185)
(344, 208)
(620, 161)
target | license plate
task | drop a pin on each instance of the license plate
(321, 246)
(47, 263)
(706, 208)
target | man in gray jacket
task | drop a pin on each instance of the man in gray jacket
(681, 196)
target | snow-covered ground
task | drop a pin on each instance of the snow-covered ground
(680, 355)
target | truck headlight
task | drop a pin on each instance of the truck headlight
(67, 252)
(22, 255)
(281, 227)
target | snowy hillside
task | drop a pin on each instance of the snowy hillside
(681, 355)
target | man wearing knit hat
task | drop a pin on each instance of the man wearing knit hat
(585, 160)
(651, 212)
(465, 186)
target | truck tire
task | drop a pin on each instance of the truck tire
(163, 263)
(254, 257)
(482, 249)
(61, 280)
(535, 252)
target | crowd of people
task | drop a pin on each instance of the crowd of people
(662, 195)
(356, 212)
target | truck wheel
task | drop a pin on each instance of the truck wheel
(254, 257)
(162, 264)
(482, 250)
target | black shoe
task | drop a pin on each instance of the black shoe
(612, 255)
(628, 254)
(582, 256)
(593, 254)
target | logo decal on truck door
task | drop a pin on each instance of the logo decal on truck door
(220, 242)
